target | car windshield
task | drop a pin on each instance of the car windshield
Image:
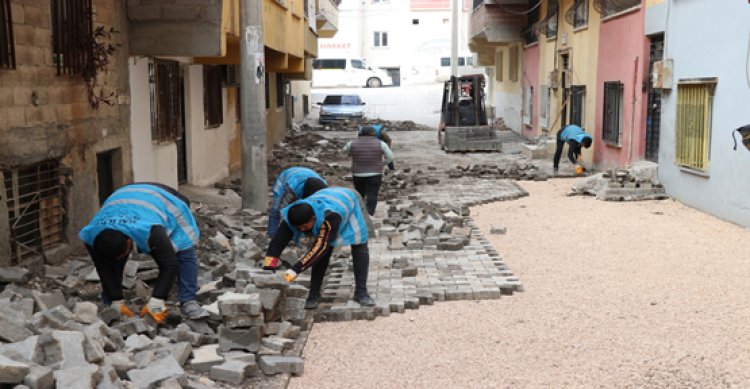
(342, 100)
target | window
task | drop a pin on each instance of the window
(415, 21)
(342, 100)
(7, 48)
(329, 64)
(268, 91)
(550, 22)
(71, 29)
(213, 110)
(544, 107)
(380, 39)
(611, 7)
(280, 90)
(613, 94)
(166, 107)
(528, 104)
(445, 61)
(693, 127)
(499, 65)
(469, 61)
(379, 1)
(578, 14)
(577, 104)
(530, 32)
(513, 64)
(35, 208)
(357, 64)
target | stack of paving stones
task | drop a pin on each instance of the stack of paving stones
(516, 169)
(638, 183)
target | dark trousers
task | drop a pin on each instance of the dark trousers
(558, 151)
(368, 188)
(361, 260)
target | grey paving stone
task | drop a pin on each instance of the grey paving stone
(39, 377)
(248, 339)
(12, 372)
(278, 364)
(205, 357)
(81, 377)
(159, 370)
(232, 371)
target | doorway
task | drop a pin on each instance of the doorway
(653, 112)
(181, 142)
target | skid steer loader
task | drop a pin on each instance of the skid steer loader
(463, 120)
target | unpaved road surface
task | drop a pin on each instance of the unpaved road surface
(649, 294)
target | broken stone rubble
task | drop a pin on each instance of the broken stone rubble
(639, 182)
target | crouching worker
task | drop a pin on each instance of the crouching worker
(292, 184)
(335, 217)
(576, 138)
(156, 220)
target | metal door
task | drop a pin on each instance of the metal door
(653, 112)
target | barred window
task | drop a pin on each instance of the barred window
(72, 28)
(166, 103)
(34, 198)
(613, 96)
(577, 104)
(578, 14)
(7, 47)
(550, 21)
(693, 127)
(213, 109)
(611, 7)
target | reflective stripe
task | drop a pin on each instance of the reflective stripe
(184, 225)
(137, 202)
(353, 218)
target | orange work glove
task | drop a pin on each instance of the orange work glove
(119, 306)
(156, 309)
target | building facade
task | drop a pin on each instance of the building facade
(64, 141)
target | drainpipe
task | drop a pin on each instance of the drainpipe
(490, 98)
(632, 109)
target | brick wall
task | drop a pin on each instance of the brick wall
(43, 115)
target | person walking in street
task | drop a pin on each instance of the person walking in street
(334, 217)
(156, 220)
(382, 134)
(367, 165)
(291, 185)
(576, 138)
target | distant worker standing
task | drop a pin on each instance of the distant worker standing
(382, 134)
(367, 165)
(575, 137)
(292, 184)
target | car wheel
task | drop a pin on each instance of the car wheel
(374, 82)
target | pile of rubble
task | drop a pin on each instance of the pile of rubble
(390, 125)
(519, 169)
(417, 225)
(639, 182)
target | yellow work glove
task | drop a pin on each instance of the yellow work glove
(156, 309)
(290, 275)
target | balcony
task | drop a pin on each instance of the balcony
(496, 23)
(327, 18)
(200, 29)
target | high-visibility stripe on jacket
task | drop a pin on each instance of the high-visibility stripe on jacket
(134, 209)
(353, 228)
(289, 187)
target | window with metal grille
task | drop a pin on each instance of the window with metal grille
(530, 32)
(577, 104)
(279, 90)
(613, 93)
(578, 14)
(693, 127)
(477, 3)
(7, 47)
(34, 199)
(213, 109)
(72, 29)
(166, 106)
(544, 107)
(611, 7)
(528, 104)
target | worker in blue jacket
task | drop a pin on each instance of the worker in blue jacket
(291, 185)
(156, 220)
(576, 138)
(334, 217)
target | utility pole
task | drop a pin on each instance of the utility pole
(252, 112)
(454, 38)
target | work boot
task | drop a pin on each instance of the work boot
(364, 299)
(192, 310)
(312, 301)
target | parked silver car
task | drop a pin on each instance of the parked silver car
(341, 107)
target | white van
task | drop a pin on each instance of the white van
(348, 72)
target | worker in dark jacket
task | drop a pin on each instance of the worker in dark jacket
(576, 138)
(382, 134)
(367, 165)
(156, 220)
(291, 185)
(334, 217)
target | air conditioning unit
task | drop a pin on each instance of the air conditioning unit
(554, 79)
(232, 75)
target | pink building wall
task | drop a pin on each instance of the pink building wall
(531, 78)
(623, 57)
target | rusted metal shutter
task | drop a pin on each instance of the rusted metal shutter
(168, 107)
(213, 109)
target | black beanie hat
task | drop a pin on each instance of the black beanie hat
(300, 214)
(312, 185)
